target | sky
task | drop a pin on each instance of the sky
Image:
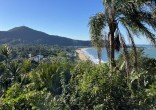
(67, 18)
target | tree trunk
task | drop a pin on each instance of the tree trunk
(112, 56)
(99, 55)
(135, 57)
(112, 28)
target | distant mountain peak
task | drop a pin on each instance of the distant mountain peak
(20, 28)
(26, 35)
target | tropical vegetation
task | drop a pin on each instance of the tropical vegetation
(60, 81)
(69, 84)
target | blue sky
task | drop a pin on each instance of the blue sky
(68, 18)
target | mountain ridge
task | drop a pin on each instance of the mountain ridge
(26, 35)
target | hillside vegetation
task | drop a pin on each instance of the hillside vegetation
(65, 83)
(26, 35)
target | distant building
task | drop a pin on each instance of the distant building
(29, 55)
(37, 58)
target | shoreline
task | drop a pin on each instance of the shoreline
(82, 55)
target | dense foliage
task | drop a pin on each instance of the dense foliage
(66, 84)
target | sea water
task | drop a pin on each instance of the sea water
(91, 53)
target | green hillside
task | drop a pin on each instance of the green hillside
(26, 35)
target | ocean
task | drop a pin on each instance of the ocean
(91, 53)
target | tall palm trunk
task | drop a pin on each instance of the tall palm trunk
(99, 54)
(112, 49)
(112, 28)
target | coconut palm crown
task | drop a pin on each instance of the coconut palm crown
(134, 16)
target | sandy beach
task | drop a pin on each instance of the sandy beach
(81, 55)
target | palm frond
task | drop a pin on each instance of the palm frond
(106, 44)
(133, 46)
(6, 51)
(96, 24)
(146, 18)
(145, 31)
(146, 2)
(108, 3)
(133, 12)
(137, 27)
(154, 13)
(125, 52)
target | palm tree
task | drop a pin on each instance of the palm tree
(6, 51)
(135, 16)
(5, 76)
(15, 70)
(97, 42)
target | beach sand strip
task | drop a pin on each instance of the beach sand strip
(81, 55)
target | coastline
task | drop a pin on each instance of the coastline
(84, 56)
(81, 54)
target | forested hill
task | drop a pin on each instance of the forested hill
(27, 35)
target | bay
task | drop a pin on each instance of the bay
(91, 53)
